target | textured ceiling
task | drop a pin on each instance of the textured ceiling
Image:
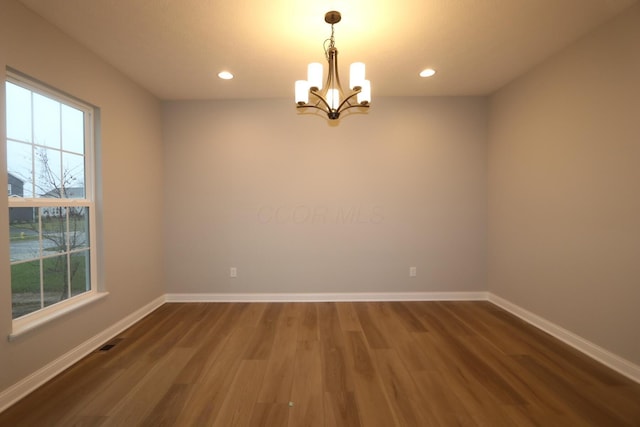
(175, 48)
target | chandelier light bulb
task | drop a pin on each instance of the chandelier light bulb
(302, 92)
(314, 75)
(364, 97)
(356, 75)
(333, 98)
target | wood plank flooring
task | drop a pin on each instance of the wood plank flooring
(333, 364)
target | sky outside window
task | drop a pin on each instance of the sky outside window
(45, 144)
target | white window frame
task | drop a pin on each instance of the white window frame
(36, 318)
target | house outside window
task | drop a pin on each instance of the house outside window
(50, 166)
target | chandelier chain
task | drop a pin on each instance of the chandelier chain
(331, 42)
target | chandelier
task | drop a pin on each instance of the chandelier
(331, 98)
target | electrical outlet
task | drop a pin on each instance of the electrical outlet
(413, 271)
(233, 272)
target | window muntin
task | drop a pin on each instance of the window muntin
(51, 219)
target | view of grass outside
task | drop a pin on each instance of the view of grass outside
(39, 277)
(25, 282)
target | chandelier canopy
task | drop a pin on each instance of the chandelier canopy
(331, 98)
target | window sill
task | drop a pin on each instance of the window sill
(30, 322)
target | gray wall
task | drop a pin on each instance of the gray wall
(131, 196)
(564, 188)
(298, 205)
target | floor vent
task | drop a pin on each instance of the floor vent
(109, 346)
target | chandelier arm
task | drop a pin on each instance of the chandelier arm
(336, 73)
(346, 100)
(312, 106)
(354, 106)
(321, 98)
(333, 77)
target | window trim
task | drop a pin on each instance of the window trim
(45, 314)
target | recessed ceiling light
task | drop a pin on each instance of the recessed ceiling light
(427, 72)
(225, 75)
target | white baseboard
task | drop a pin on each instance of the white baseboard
(22, 388)
(330, 297)
(592, 350)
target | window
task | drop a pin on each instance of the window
(50, 170)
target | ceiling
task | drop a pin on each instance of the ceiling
(175, 48)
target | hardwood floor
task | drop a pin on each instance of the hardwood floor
(333, 364)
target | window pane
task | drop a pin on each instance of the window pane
(25, 288)
(24, 233)
(54, 230)
(73, 176)
(48, 173)
(18, 113)
(80, 276)
(78, 228)
(72, 129)
(46, 121)
(55, 279)
(50, 252)
(20, 166)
